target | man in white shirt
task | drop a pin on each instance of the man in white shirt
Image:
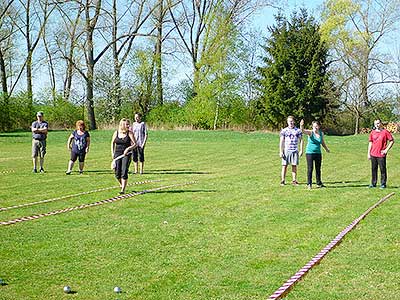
(139, 130)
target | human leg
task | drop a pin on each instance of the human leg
(125, 162)
(310, 168)
(283, 174)
(374, 170)
(135, 160)
(141, 159)
(382, 167)
(318, 163)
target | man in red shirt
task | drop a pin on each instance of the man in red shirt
(380, 142)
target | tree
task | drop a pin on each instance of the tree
(294, 77)
(354, 31)
(191, 18)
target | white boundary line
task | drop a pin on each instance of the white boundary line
(73, 195)
(101, 202)
(288, 285)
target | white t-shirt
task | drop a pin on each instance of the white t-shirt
(140, 132)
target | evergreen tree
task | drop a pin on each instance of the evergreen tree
(294, 78)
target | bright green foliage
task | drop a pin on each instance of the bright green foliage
(295, 73)
(217, 102)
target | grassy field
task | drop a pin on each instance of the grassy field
(234, 234)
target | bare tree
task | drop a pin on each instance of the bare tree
(36, 14)
(355, 35)
(191, 18)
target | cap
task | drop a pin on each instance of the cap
(39, 114)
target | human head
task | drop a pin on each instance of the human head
(80, 125)
(316, 125)
(124, 125)
(138, 117)
(39, 115)
(378, 124)
(290, 121)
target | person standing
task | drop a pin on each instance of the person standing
(78, 143)
(313, 152)
(380, 142)
(122, 142)
(139, 130)
(290, 138)
(39, 135)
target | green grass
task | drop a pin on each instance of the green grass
(235, 234)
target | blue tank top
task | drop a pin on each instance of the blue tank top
(79, 143)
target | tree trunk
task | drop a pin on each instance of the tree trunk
(357, 124)
(29, 80)
(3, 74)
(89, 82)
(116, 92)
(158, 56)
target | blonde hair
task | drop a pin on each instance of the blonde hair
(80, 123)
(123, 125)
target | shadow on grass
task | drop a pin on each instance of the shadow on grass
(176, 172)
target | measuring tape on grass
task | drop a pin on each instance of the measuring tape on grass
(73, 195)
(288, 285)
(98, 203)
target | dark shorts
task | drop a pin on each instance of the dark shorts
(75, 155)
(138, 154)
(38, 148)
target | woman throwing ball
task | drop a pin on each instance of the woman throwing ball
(313, 152)
(122, 143)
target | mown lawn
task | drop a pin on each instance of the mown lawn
(234, 234)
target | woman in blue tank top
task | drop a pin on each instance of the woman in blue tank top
(122, 143)
(78, 143)
(313, 152)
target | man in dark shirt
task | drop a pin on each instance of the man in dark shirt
(39, 135)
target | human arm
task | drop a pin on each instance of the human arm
(113, 144)
(281, 146)
(87, 143)
(369, 149)
(133, 143)
(305, 131)
(324, 145)
(69, 144)
(301, 141)
(388, 146)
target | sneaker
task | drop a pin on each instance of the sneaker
(320, 185)
(383, 186)
(282, 183)
(295, 183)
(309, 186)
(68, 173)
(371, 186)
(34, 171)
(80, 172)
(121, 192)
(41, 170)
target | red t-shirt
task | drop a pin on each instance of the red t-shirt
(379, 140)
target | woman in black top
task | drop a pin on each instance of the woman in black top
(122, 142)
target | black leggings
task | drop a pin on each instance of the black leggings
(317, 158)
(122, 167)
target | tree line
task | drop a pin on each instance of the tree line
(101, 60)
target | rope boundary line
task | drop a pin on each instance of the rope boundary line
(97, 203)
(73, 195)
(289, 284)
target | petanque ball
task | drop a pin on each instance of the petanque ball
(117, 289)
(67, 289)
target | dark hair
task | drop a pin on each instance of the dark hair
(316, 122)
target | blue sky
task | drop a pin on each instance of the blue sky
(265, 17)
